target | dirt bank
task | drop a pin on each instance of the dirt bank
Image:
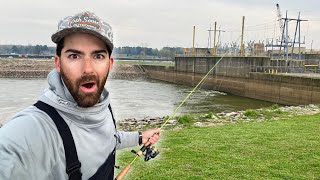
(39, 68)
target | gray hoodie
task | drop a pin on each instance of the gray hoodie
(31, 147)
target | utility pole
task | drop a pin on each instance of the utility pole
(299, 20)
(209, 38)
(214, 50)
(194, 35)
(219, 37)
(242, 44)
(294, 38)
(287, 35)
(214, 47)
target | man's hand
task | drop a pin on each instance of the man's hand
(151, 134)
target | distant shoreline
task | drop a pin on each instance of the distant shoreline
(25, 68)
(40, 68)
(24, 74)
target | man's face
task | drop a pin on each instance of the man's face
(84, 67)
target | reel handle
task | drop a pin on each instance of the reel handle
(127, 168)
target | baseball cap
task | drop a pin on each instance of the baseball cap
(85, 22)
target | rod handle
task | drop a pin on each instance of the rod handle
(147, 144)
(123, 172)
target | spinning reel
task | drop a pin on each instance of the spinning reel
(148, 152)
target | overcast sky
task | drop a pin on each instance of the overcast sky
(158, 23)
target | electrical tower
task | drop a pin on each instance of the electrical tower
(285, 41)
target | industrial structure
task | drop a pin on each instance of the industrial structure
(287, 53)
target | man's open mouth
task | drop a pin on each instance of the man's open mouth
(88, 86)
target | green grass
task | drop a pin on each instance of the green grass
(185, 119)
(267, 113)
(251, 113)
(154, 63)
(283, 149)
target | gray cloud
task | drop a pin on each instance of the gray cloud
(154, 23)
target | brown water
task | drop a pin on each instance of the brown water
(130, 99)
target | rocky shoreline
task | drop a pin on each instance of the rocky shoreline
(223, 118)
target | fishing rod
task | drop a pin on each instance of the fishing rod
(151, 152)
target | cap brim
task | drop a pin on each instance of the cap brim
(56, 37)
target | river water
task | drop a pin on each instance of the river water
(130, 98)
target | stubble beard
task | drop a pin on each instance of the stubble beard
(84, 99)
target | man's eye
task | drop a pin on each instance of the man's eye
(99, 56)
(74, 56)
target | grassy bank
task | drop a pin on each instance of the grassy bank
(271, 149)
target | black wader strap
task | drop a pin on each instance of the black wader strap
(72, 162)
(114, 121)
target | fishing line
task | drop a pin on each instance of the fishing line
(218, 87)
(200, 82)
(147, 144)
(185, 99)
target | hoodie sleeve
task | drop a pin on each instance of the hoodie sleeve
(16, 160)
(25, 149)
(127, 139)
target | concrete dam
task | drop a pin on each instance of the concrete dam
(243, 76)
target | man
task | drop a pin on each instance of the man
(70, 132)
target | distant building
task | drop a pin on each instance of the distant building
(258, 49)
(312, 54)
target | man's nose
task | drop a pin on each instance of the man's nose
(87, 67)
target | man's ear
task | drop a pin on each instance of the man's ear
(111, 62)
(57, 61)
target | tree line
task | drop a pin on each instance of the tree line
(165, 52)
(29, 49)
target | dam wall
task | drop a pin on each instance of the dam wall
(241, 76)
